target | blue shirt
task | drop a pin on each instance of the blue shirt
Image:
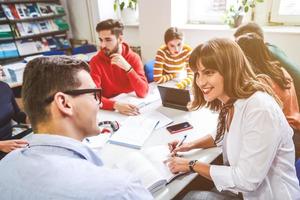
(57, 167)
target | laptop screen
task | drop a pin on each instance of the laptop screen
(174, 96)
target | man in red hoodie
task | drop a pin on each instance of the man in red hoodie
(116, 68)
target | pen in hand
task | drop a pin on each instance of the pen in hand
(178, 144)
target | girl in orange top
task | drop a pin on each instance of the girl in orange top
(282, 83)
(171, 60)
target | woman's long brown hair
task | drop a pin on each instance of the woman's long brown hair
(258, 55)
(226, 57)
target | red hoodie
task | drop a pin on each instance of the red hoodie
(113, 80)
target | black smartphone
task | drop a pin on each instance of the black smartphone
(179, 127)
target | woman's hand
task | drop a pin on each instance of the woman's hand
(182, 148)
(178, 164)
(10, 145)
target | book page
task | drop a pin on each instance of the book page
(97, 141)
(157, 155)
(131, 134)
(131, 98)
(142, 168)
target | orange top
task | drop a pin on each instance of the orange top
(289, 100)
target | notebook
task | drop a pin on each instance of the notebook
(174, 98)
(149, 167)
(134, 131)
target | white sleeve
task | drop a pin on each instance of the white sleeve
(260, 141)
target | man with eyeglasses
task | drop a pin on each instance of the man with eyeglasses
(62, 103)
(116, 68)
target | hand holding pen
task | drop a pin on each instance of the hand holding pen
(178, 146)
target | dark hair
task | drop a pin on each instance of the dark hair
(45, 76)
(226, 57)
(172, 33)
(259, 56)
(116, 27)
(249, 27)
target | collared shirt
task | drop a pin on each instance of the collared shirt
(57, 167)
(260, 152)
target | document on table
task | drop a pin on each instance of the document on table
(162, 119)
(131, 98)
(134, 131)
(98, 141)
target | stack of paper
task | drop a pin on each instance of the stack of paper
(131, 98)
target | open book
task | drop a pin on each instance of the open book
(134, 131)
(149, 167)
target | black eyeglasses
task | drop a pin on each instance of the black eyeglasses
(76, 92)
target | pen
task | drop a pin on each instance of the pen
(180, 143)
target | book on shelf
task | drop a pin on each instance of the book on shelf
(61, 24)
(5, 31)
(7, 11)
(148, 164)
(14, 10)
(58, 42)
(62, 41)
(8, 50)
(29, 46)
(2, 15)
(54, 26)
(22, 11)
(26, 47)
(58, 9)
(51, 43)
(27, 28)
(46, 26)
(42, 45)
(32, 10)
(45, 9)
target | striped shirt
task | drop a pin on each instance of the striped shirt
(168, 67)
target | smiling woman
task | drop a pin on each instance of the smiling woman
(255, 136)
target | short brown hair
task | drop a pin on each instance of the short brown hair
(45, 76)
(173, 33)
(249, 27)
(116, 27)
(226, 57)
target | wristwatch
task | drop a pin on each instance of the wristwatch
(192, 163)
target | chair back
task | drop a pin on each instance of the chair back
(84, 49)
(148, 67)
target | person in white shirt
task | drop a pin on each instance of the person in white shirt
(258, 150)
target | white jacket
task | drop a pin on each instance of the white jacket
(260, 152)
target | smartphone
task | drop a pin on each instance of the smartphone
(179, 127)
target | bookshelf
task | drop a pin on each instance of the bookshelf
(31, 27)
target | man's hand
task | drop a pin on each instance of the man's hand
(126, 109)
(120, 61)
(10, 145)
